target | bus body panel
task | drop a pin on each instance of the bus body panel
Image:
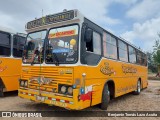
(96, 77)
(10, 71)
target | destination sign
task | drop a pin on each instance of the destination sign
(51, 19)
(62, 34)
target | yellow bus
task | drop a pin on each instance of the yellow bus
(71, 62)
(11, 48)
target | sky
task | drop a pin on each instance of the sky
(137, 21)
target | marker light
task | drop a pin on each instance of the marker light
(74, 86)
(82, 90)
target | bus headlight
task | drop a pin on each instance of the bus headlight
(63, 89)
(70, 90)
(26, 84)
(22, 83)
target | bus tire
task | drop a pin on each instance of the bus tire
(1, 92)
(138, 90)
(105, 98)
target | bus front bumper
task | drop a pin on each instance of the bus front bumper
(52, 99)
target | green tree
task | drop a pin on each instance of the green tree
(151, 65)
(156, 51)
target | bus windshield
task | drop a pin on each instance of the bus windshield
(34, 47)
(62, 45)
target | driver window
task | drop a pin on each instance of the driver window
(95, 44)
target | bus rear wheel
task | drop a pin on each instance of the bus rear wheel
(105, 98)
(1, 92)
(138, 90)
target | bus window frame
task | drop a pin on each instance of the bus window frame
(135, 54)
(101, 40)
(123, 50)
(117, 57)
(46, 41)
(93, 43)
(10, 41)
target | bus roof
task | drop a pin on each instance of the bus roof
(9, 30)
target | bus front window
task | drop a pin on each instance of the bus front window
(62, 46)
(33, 51)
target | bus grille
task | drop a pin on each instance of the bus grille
(47, 78)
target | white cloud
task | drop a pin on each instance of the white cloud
(126, 2)
(92, 9)
(145, 33)
(144, 10)
(18, 12)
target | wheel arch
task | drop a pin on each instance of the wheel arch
(111, 86)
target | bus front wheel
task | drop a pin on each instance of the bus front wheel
(138, 90)
(1, 92)
(105, 98)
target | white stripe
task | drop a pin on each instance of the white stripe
(71, 102)
(62, 101)
(54, 99)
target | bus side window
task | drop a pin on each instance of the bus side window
(5, 44)
(123, 55)
(139, 58)
(144, 59)
(95, 44)
(110, 46)
(132, 55)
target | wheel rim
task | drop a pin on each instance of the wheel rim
(139, 87)
(108, 92)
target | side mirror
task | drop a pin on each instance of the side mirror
(88, 35)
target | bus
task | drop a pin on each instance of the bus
(73, 63)
(11, 48)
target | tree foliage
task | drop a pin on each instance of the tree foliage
(151, 65)
(156, 51)
(154, 57)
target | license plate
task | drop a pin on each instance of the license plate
(40, 98)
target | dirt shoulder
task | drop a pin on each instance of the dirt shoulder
(148, 100)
